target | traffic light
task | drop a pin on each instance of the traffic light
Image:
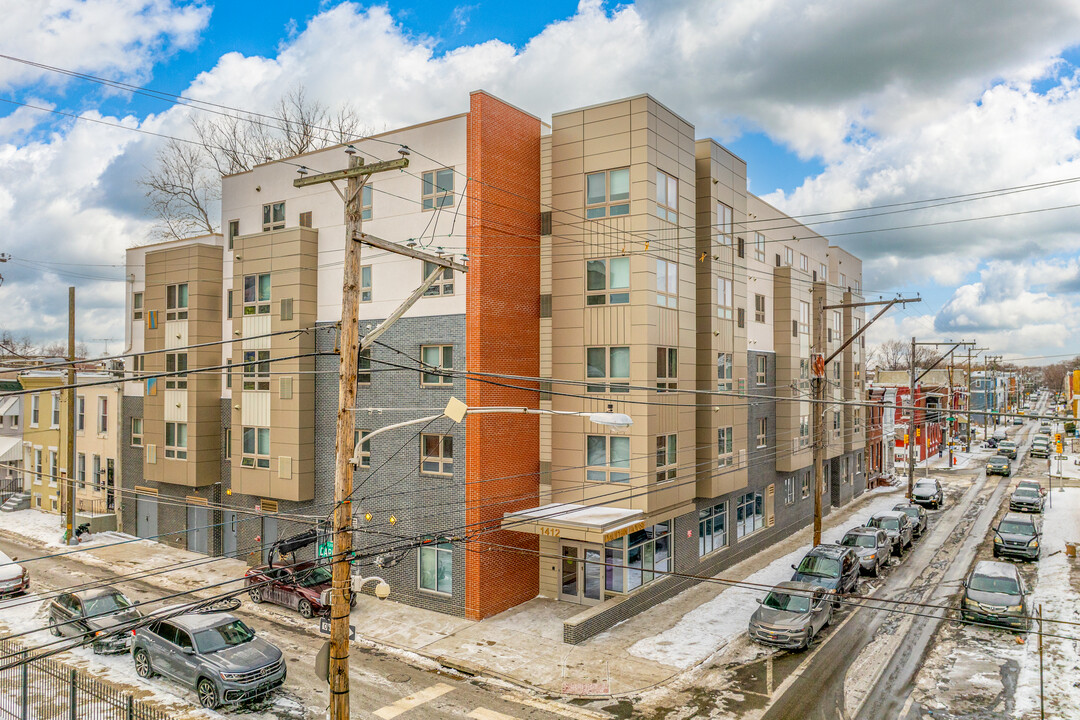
(918, 433)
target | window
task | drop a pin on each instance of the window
(667, 197)
(857, 285)
(724, 300)
(762, 432)
(440, 357)
(234, 232)
(789, 491)
(666, 457)
(856, 418)
(804, 431)
(724, 446)
(80, 471)
(95, 477)
(611, 365)
(366, 196)
(437, 454)
(836, 370)
(256, 370)
(804, 317)
(103, 414)
(789, 257)
(804, 263)
(229, 305)
(761, 377)
(836, 420)
(443, 285)
(305, 219)
(607, 458)
(749, 513)
(365, 447)
(35, 406)
(365, 283)
(363, 367)
(607, 194)
(724, 363)
(138, 363)
(176, 440)
(80, 413)
(843, 280)
(823, 272)
(712, 528)
(437, 189)
(667, 283)
(644, 553)
(54, 472)
(804, 486)
(55, 410)
(740, 317)
(177, 363)
(257, 294)
(724, 221)
(176, 302)
(136, 306)
(255, 446)
(136, 432)
(437, 566)
(741, 251)
(759, 247)
(837, 326)
(37, 465)
(607, 281)
(759, 308)
(274, 216)
(667, 369)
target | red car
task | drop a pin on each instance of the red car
(301, 587)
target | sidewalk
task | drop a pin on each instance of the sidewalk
(523, 645)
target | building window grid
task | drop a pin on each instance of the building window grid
(712, 529)
(804, 317)
(35, 410)
(255, 447)
(666, 457)
(610, 365)
(54, 469)
(759, 247)
(667, 369)
(607, 281)
(439, 357)
(257, 294)
(443, 285)
(95, 474)
(759, 308)
(789, 257)
(365, 283)
(804, 263)
(724, 370)
(437, 454)
(273, 216)
(725, 217)
(234, 232)
(80, 413)
(366, 201)
(762, 433)
(725, 446)
(136, 306)
(804, 486)
(176, 301)
(177, 363)
(437, 189)
(176, 440)
(749, 513)
(789, 491)
(435, 569)
(103, 415)
(667, 283)
(638, 559)
(363, 367)
(136, 432)
(256, 370)
(607, 193)
(365, 447)
(55, 420)
(762, 374)
(667, 197)
(80, 465)
(607, 458)
(724, 299)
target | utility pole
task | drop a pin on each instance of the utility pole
(967, 403)
(69, 421)
(819, 378)
(949, 417)
(913, 406)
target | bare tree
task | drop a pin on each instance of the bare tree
(895, 355)
(20, 347)
(183, 188)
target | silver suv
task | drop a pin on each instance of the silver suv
(872, 545)
(216, 654)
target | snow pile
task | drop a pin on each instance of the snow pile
(1054, 591)
(48, 529)
(712, 625)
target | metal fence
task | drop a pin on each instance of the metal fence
(47, 689)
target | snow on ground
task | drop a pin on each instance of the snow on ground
(1055, 592)
(713, 624)
(47, 529)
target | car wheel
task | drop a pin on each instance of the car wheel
(876, 572)
(305, 609)
(255, 594)
(208, 696)
(809, 638)
(142, 664)
(54, 629)
(996, 553)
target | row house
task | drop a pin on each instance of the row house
(616, 263)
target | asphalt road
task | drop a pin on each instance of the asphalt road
(378, 679)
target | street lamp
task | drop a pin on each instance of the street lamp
(382, 590)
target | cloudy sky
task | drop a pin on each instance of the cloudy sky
(835, 105)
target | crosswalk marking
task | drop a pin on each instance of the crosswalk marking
(570, 711)
(485, 714)
(414, 700)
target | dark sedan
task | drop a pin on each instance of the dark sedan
(1024, 499)
(99, 613)
(998, 465)
(918, 516)
(299, 587)
(1017, 536)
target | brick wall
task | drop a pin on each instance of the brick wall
(503, 328)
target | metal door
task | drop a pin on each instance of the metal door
(581, 578)
(228, 533)
(197, 520)
(146, 508)
(269, 536)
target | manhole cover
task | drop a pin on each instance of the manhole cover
(399, 678)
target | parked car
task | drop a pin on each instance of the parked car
(917, 514)
(1040, 448)
(1045, 429)
(994, 593)
(1026, 499)
(1033, 484)
(898, 527)
(94, 613)
(214, 653)
(14, 578)
(1018, 421)
(791, 615)
(998, 465)
(299, 587)
(928, 492)
(834, 567)
(1007, 448)
(1018, 536)
(872, 545)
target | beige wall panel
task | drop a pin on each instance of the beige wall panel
(605, 112)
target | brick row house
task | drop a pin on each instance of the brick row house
(616, 263)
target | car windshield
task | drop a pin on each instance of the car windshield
(994, 584)
(105, 604)
(1029, 486)
(316, 576)
(1026, 492)
(863, 541)
(885, 523)
(223, 636)
(786, 601)
(925, 486)
(908, 510)
(1007, 444)
(819, 566)
(998, 460)
(1016, 528)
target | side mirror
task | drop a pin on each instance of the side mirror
(793, 567)
(759, 600)
(135, 602)
(189, 651)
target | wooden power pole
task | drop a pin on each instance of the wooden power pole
(69, 421)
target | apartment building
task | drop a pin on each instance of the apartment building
(616, 263)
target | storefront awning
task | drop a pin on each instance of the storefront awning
(7, 404)
(576, 522)
(10, 449)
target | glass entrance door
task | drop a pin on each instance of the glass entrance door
(581, 574)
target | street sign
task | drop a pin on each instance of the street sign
(322, 662)
(324, 628)
(324, 549)
(950, 419)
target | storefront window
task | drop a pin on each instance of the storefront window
(645, 553)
